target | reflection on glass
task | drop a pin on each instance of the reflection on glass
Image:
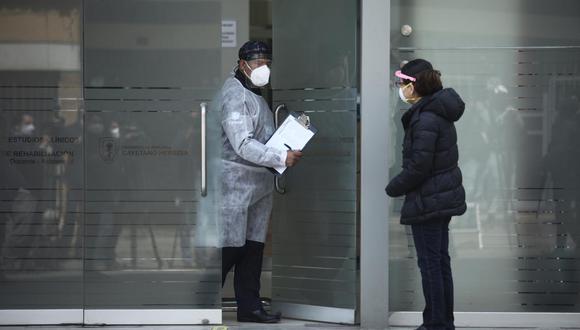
(518, 241)
(41, 160)
(315, 223)
(516, 248)
(149, 234)
(129, 213)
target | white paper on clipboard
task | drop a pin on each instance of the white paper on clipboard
(291, 133)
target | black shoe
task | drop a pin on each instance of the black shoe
(259, 316)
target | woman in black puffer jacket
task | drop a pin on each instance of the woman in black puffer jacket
(431, 182)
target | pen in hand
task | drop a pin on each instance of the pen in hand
(293, 156)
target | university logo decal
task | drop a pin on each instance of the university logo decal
(108, 149)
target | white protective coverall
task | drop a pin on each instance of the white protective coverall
(246, 183)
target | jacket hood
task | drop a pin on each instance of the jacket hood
(445, 103)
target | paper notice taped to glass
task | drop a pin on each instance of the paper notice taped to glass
(294, 134)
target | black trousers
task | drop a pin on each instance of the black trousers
(432, 246)
(248, 269)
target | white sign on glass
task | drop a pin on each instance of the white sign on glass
(229, 34)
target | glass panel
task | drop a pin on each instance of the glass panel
(491, 23)
(41, 160)
(517, 247)
(315, 222)
(320, 52)
(150, 235)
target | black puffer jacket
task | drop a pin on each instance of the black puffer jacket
(431, 179)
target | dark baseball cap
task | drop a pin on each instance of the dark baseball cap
(412, 68)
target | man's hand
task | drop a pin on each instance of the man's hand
(293, 157)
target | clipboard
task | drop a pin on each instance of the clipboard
(294, 133)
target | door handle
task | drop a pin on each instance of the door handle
(203, 107)
(278, 108)
(279, 189)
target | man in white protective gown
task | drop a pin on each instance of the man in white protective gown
(246, 183)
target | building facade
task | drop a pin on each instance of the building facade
(111, 144)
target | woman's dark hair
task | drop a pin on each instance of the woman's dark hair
(428, 82)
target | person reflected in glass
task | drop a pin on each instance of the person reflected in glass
(431, 182)
(104, 171)
(26, 126)
(19, 223)
(560, 162)
(246, 184)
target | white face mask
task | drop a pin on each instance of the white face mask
(260, 76)
(403, 97)
(115, 132)
(27, 129)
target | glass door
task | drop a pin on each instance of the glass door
(107, 208)
(516, 249)
(151, 70)
(41, 162)
(314, 271)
